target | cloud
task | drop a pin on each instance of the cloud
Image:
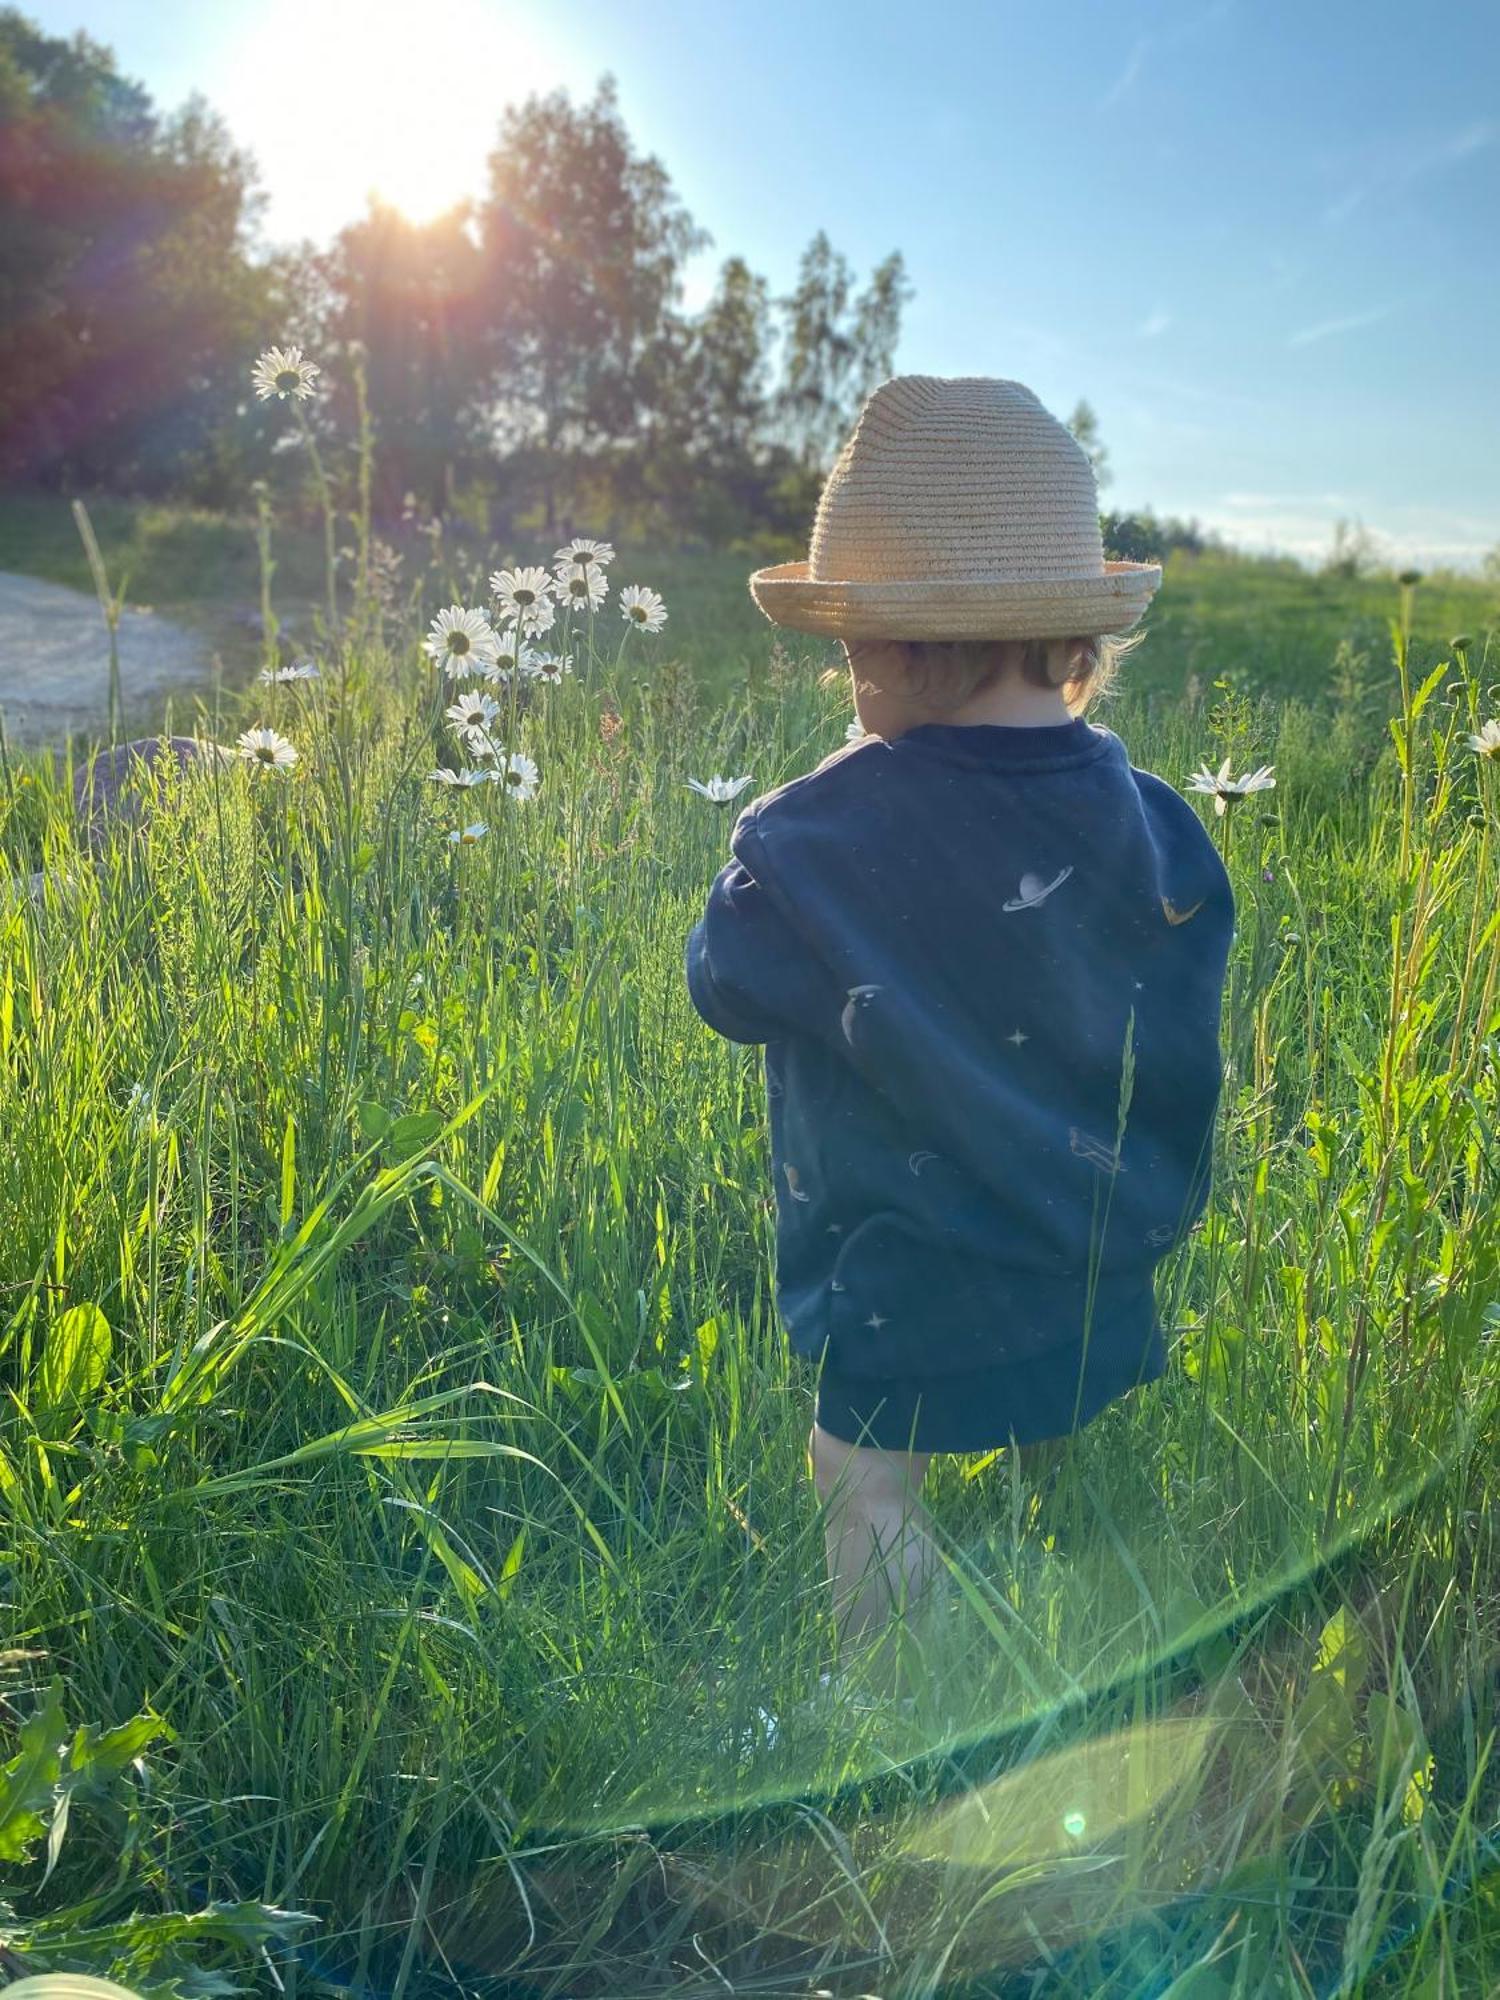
(1401, 170)
(1322, 328)
(1260, 501)
(1127, 76)
(1154, 323)
(1188, 29)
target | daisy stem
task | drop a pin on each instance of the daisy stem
(325, 500)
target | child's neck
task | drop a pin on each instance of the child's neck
(1015, 707)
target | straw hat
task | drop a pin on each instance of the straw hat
(959, 508)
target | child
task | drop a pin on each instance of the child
(986, 957)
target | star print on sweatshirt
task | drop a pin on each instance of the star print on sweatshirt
(960, 948)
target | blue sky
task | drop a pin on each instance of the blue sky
(1260, 239)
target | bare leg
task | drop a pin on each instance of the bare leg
(881, 1561)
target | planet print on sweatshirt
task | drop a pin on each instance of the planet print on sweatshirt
(1033, 890)
(858, 1000)
(1094, 1151)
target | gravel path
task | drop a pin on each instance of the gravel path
(54, 660)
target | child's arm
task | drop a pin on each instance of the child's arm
(750, 975)
(730, 951)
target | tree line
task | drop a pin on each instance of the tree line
(528, 352)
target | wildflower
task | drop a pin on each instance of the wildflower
(1225, 788)
(855, 731)
(643, 607)
(468, 836)
(1460, 642)
(551, 667)
(282, 372)
(519, 775)
(265, 747)
(472, 710)
(1487, 742)
(461, 641)
(525, 597)
(720, 790)
(272, 676)
(581, 553)
(586, 587)
(512, 656)
(486, 748)
(1266, 875)
(1409, 579)
(443, 776)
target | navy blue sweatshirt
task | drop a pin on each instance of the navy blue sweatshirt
(961, 948)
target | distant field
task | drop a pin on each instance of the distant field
(1270, 628)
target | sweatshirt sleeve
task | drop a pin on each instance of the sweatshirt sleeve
(749, 974)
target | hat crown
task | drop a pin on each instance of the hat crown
(949, 479)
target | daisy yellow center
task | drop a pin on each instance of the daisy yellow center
(266, 754)
(458, 642)
(638, 613)
(288, 379)
(579, 586)
(524, 596)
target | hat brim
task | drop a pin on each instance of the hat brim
(972, 609)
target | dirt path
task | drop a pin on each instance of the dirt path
(54, 660)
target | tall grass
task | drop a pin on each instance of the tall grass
(396, 1412)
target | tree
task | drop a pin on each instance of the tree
(414, 294)
(836, 349)
(583, 242)
(1142, 537)
(128, 301)
(1354, 552)
(1085, 427)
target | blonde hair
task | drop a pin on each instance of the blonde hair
(945, 673)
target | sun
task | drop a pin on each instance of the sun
(402, 102)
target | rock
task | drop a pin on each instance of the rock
(115, 783)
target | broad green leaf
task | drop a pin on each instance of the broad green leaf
(28, 1782)
(409, 1134)
(76, 1358)
(374, 1120)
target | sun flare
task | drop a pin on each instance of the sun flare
(364, 103)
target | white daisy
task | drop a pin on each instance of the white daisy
(461, 641)
(512, 656)
(525, 598)
(274, 676)
(642, 607)
(1225, 788)
(468, 836)
(464, 779)
(720, 790)
(1487, 742)
(585, 589)
(486, 748)
(282, 372)
(472, 710)
(581, 553)
(264, 747)
(519, 776)
(551, 667)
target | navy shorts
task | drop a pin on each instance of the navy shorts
(1013, 1402)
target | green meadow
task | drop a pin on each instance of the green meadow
(408, 1534)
